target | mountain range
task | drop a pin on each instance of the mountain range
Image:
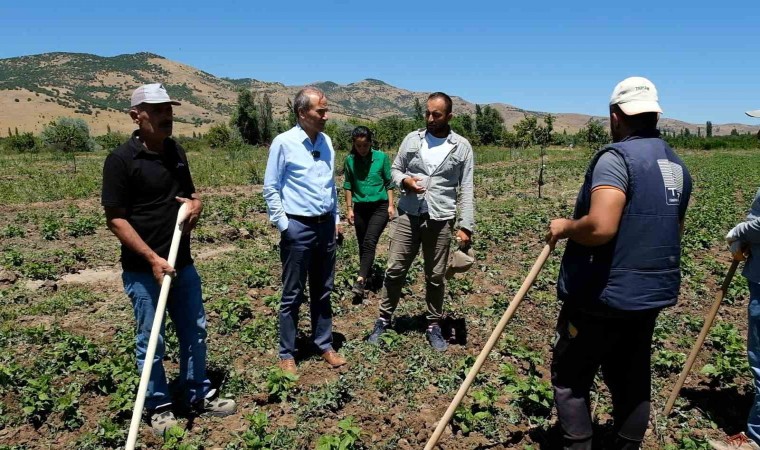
(36, 89)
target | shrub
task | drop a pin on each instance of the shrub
(22, 143)
(110, 141)
(68, 135)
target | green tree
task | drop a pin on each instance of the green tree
(390, 131)
(68, 135)
(489, 125)
(526, 131)
(734, 132)
(465, 126)
(594, 135)
(708, 129)
(267, 125)
(419, 117)
(246, 117)
(219, 136)
(292, 119)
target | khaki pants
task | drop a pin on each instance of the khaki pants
(407, 233)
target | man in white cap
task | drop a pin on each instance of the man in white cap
(145, 180)
(619, 269)
(744, 240)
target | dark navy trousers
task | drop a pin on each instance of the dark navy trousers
(307, 247)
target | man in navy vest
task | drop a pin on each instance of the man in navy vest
(620, 268)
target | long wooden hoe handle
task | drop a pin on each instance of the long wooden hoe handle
(134, 426)
(701, 338)
(489, 346)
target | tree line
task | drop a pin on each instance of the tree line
(253, 123)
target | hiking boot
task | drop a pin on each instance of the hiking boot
(358, 288)
(288, 365)
(333, 358)
(736, 442)
(161, 419)
(215, 405)
(435, 337)
(380, 327)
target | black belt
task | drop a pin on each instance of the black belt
(312, 219)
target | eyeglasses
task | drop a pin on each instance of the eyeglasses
(315, 154)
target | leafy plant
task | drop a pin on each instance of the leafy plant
(232, 312)
(37, 399)
(173, 438)
(281, 384)
(50, 229)
(729, 358)
(256, 436)
(666, 362)
(349, 437)
(68, 406)
(83, 226)
(12, 230)
(477, 415)
(109, 433)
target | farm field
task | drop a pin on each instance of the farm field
(67, 372)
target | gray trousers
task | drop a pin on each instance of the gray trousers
(407, 233)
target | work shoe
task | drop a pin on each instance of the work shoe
(358, 288)
(333, 358)
(161, 419)
(435, 337)
(380, 327)
(213, 405)
(288, 365)
(736, 442)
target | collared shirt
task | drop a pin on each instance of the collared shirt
(145, 184)
(369, 177)
(299, 177)
(448, 188)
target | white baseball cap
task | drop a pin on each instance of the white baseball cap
(755, 113)
(635, 95)
(152, 93)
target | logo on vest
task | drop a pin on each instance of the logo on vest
(672, 177)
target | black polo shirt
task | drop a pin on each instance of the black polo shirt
(145, 183)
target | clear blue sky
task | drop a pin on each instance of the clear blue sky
(539, 55)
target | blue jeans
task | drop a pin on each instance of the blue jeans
(307, 248)
(753, 352)
(185, 306)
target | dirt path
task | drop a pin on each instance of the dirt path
(109, 275)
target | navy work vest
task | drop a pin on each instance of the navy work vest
(639, 268)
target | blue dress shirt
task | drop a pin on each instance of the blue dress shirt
(299, 177)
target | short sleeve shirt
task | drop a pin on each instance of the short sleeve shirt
(146, 184)
(610, 171)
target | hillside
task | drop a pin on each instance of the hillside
(36, 89)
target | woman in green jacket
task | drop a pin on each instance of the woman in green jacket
(369, 199)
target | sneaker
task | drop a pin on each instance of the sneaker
(736, 442)
(435, 337)
(358, 288)
(161, 419)
(380, 327)
(215, 405)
